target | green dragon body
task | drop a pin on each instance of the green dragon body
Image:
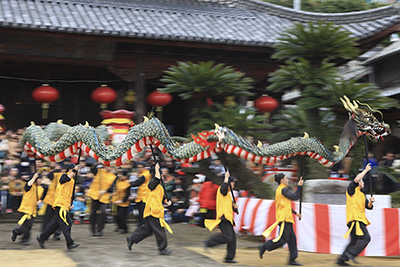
(56, 145)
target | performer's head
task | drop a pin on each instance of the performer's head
(280, 178)
(69, 167)
(141, 166)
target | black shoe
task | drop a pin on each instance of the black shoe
(230, 261)
(25, 243)
(73, 245)
(93, 234)
(41, 241)
(351, 257)
(295, 263)
(342, 263)
(165, 251)
(116, 229)
(129, 242)
(261, 250)
(56, 237)
(99, 233)
(124, 232)
(14, 236)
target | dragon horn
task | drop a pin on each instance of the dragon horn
(145, 119)
(87, 124)
(353, 106)
(259, 144)
(60, 121)
(216, 127)
(33, 123)
(306, 136)
(345, 105)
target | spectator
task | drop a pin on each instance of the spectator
(388, 185)
(179, 189)
(177, 210)
(218, 168)
(207, 199)
(79, 203)
(3, 147)
(169, 181)
(16, 190)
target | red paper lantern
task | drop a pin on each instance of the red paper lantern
(266, 104)
(45, 94)
(103, 95)
(158, 99)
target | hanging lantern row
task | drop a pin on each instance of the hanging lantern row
(104, 95)
(45, 94)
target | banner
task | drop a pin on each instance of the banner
(322, 226)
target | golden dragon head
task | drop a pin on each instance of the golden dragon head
(365, 121)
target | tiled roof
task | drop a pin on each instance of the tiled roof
(386, 52)
(236, 22)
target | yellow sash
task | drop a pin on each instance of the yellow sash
(359, 231)
(24, 218)
(164, 224)
(211, 224)
(63, 215)
(269, 230)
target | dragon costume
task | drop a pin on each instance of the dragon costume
(56, 145)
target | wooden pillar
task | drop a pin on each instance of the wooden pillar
(140, 88)
(120, 102)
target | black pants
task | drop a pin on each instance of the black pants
(24, 229)
(289, 237)
(50, 213)
(210, 214)
(120, 219)
(96, 219)
(58, 222)
(357, 243)
(227, 236)
(151, 225)
(140, 206)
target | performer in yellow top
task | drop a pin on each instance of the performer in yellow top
(49, 201)
(356, 203)
(99, 192)
(153, 216)
(29, 205)
(284, 218)
(225, 209)
(143, 179)
(62, 205)
(121, 198)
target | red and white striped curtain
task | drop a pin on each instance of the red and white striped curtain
(322, 227)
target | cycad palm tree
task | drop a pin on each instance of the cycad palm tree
(205, 79)
(315, 43)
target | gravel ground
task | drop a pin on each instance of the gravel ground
(110, 250)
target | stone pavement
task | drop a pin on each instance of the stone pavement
(110, 250)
